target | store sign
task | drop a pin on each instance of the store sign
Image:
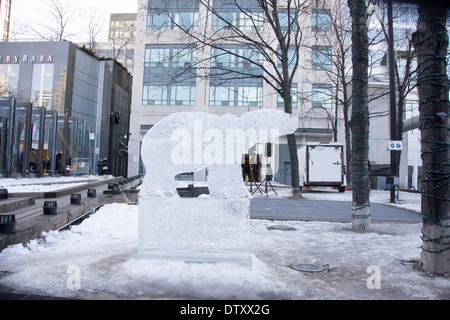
(27, 58)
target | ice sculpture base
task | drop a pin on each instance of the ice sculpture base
(194, 229)
(243, 259)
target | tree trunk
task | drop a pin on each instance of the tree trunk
(348, 140)
(292, 144)
(360, 117)
(399, 130)
(431, 42)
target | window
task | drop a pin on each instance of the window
(288, 19)
(321, 96)
(183, 57)
(405, 14)
(246, 56)
(172, 15)
(185, 20)
(169, 56)
(154, 95)
(235, 79)
(249, 97)
(169, 75)
(221, 96)
(221, 59)
(42, 85)
(251, 20)
(321, 20)
(321, 58)
(224, 20)
(235, 57)
(156, 57)
(236, 95)
(157, 21)
(9, 79)
(169, 78)
(244, 16)
(168, 95)
(294, 94)
(182, 95)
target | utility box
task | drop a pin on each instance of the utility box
(322, 164)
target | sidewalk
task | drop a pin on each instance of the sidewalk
(323, 210)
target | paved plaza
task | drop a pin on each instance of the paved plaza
(319, 210)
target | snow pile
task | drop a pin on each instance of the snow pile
(41, 188)
(96, 260)
(46, 184)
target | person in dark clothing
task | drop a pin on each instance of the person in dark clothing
(32, 159)
(105, 166)
(59, 164)
(100, 166)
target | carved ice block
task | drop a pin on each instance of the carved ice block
(204, 229)
(194, 229)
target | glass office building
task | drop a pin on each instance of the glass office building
(90, 100)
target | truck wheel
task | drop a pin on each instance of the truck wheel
(341, 189)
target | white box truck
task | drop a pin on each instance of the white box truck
(322, 164)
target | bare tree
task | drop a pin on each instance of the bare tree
(54, 21)
(271, 29)
(94, 23)
(406, 77)
(335, 53)
(431, 43)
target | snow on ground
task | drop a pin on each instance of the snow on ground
(41, 187)
(99, 252)
(46, 184)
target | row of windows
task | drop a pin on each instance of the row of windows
(164, 64)
(229, 95)
(227, 56)
(174, 15)
(169, 56)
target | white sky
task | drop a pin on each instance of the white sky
(26, 11)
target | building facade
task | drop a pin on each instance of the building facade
(61, 78)
(173, 73)
(165, 81)
(122, 27)
(121, 38)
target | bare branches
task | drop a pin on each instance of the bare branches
(257, 42)
(55, 22)
(94, 23)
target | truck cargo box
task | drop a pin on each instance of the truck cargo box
(322, 164)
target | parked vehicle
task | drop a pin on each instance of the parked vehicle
(322, 164)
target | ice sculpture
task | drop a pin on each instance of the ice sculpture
(203, 229)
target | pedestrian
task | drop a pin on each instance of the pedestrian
(32, 159)
(100, 166)
(59, 163)
(105, 166)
